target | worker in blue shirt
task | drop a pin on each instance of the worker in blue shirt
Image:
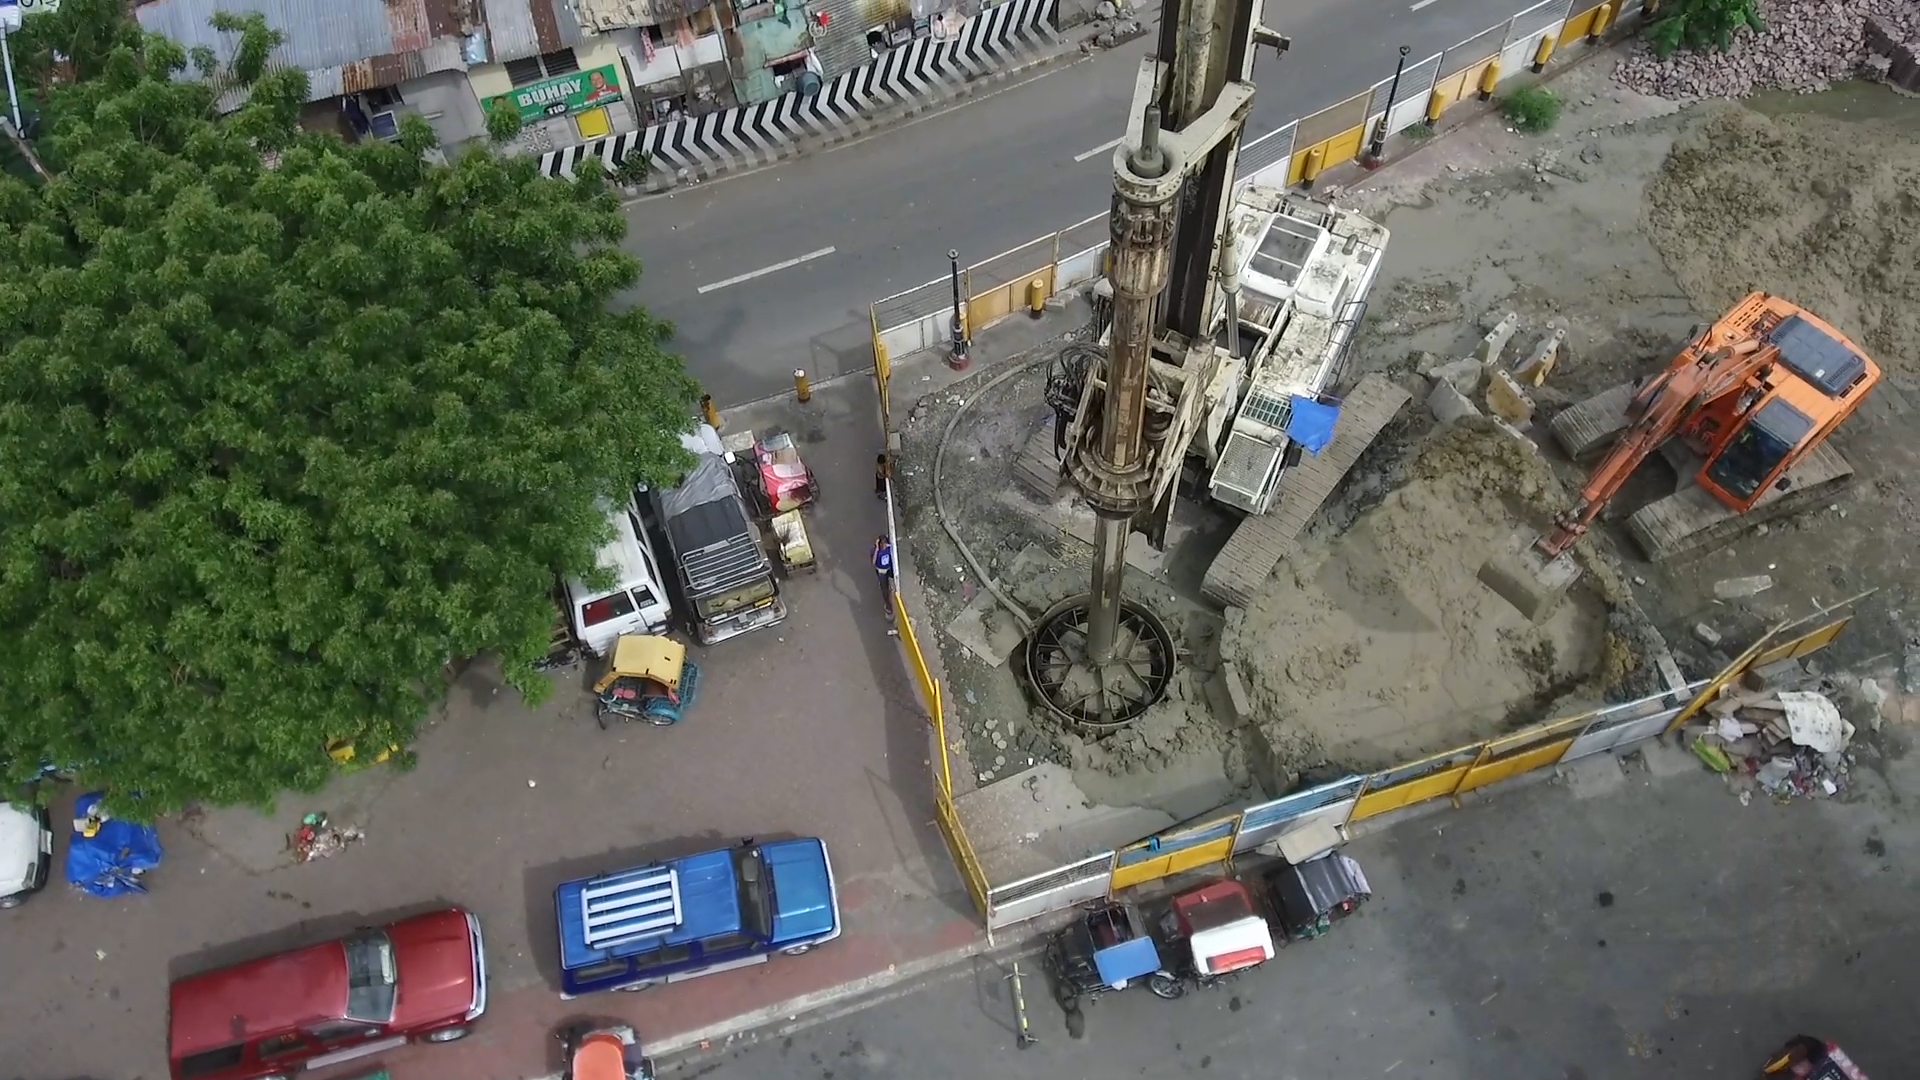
(883, 568)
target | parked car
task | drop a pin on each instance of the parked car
(26, 852)
(636, 603)
(423, 978)
(687, 917)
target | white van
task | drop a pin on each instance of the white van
(26, 852)
(637, 602)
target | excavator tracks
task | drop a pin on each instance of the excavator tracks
(1585, 430)
(1690, 521)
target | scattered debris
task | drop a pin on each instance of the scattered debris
(1735, 588)
(318, 839)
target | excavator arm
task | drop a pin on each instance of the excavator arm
(1659, 411)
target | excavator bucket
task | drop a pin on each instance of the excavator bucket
(1524, 577)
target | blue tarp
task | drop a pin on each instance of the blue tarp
(108, 863)
(1127, 960)
(1311, 424)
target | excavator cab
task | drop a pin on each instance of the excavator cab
(1742, 413)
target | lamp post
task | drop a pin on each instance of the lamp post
(10, 14)
(1378, 147)
(959, 360)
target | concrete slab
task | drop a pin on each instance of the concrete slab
(1665, 758)
(1594, 777)
(1039, 819)
(985, 629)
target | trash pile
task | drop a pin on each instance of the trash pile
(317, 839)
(1787, 744)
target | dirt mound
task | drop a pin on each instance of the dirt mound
(1821, 211)
(1385, 645)
(1808, 46)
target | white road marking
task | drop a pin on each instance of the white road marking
(765, 270)
(1418, 4)
(1103, 147)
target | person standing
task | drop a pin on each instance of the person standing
(883, 569)
(882, 471)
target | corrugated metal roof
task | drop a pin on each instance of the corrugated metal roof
(386, 39)
(518, 29)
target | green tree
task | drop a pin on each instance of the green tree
(1700, 25)
(286, 424)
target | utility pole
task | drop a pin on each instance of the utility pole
(10, 16)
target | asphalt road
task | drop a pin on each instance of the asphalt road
(790, 257)
(1659, 930)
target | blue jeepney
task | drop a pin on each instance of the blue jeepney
(683, 918)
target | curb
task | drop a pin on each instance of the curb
(949, 95)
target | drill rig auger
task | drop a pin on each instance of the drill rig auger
(1743, 412)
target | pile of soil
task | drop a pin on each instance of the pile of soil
(1821, 211)
(1383, 645)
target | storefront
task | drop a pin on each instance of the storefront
(563, 97)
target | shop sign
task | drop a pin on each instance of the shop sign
(564, 95)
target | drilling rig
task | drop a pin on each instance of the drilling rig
(1190, 369)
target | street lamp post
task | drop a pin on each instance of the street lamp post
(959, 359)
(1377, 149)
(10, 21)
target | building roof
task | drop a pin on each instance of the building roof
(344, 46)
(518, 29)
(598, 15)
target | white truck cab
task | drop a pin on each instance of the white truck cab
(26, 852)
(637, 601)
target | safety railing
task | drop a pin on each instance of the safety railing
(1352, 799)
(1298, 152)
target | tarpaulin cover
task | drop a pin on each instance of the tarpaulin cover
(1127, 960)
(109, 862)
(1311, 424)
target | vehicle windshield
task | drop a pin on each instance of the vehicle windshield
(756, 891)
(1753, 454)
(370, 977)
(726, 603)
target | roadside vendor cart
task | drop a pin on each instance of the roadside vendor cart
(793, 545)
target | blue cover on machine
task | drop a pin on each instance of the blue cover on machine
(1127, 960)
(107, 863)
(1311, 423)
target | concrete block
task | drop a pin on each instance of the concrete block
(1736, 588)
(1779, 675)
(1539, 363)
(1464, 374)
(1238, 702)
(1235, 620)
(1706, 634)
(1507, 400)
(1664, 759)
(1491, 346)
(1910, 668)
(1448, 404)
(1594, 777)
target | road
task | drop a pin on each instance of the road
(1556, 933)
(790, 257)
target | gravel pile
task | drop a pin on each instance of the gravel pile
(1808, 46)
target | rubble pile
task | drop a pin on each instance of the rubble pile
(1782, 744)
(1808, 45)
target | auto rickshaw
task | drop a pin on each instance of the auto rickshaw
(1807, 1058)
(795, 548)
(1217, 930)
(610, 1053)
(648, 679)
(769, 466)
(1109, 948)
(1308, 898)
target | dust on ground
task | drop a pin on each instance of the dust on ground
(1382, 646)
(1633, 221)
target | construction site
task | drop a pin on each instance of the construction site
(1308, 593)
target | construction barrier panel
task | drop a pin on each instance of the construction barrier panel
(1055, 890)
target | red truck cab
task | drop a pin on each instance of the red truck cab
(378, 988)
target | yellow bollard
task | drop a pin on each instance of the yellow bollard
(1310, 168)
(1489, 78)
(1436, 104)
(1544, 53)
(1602, 19)
(802, 389)
(1037, 296)
(709, 411)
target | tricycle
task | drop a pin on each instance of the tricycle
(608, 1053)
(1308, 898)
(648, 679)
(1807, 1058)
(773, 470)
(1108, 948)
(793, 545)
(1215, 931)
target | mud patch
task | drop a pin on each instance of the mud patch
(1822, 211)
(1382, 645)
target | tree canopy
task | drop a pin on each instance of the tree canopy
(287, 423)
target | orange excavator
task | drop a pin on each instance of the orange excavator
(1742, 413)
